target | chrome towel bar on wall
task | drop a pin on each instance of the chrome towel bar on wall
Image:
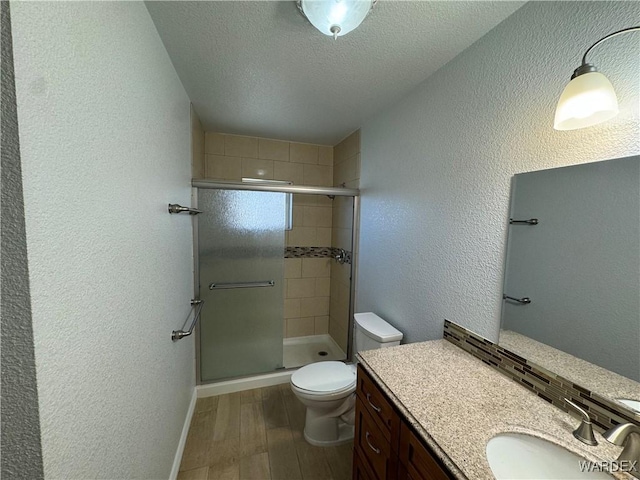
(178, 334)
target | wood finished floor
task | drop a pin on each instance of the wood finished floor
(257, 435)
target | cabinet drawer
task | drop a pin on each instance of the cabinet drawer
(379, 407)
(372, 445)
(417, 459)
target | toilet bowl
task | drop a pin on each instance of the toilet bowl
(327, 389)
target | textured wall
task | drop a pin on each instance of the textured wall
(21, 447)
(436, 167)
(104, 131)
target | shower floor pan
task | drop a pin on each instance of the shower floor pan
(299, 351)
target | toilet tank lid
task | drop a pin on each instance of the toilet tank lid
(377, 328)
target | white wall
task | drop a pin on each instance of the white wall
(104, 132)
(436, 167)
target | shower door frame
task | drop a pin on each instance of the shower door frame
(270, 187)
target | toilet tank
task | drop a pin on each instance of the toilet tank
(373, 332)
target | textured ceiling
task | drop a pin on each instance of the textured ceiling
(259, 68)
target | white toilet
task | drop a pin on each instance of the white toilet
(327, 388)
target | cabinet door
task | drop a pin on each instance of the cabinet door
(360, 468)
(372, 445)
(379, 407)
(417, 461)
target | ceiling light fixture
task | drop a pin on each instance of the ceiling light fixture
(589, 98)
(335, 18)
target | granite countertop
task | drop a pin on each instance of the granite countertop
(457, 404)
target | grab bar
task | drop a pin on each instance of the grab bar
(531, 221)
(178, 334)
(523, 300)
(222, 286)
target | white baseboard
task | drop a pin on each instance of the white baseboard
(183, 437)
(241, 384)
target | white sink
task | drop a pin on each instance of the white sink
(632, 404)
(518, 456)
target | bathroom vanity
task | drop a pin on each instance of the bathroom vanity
(453, 408)
(428, 410)
(385, 445)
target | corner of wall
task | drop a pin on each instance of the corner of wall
(183, 436)
(197, 145)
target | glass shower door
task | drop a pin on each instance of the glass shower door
(241, 236)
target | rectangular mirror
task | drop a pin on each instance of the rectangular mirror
(572, 275)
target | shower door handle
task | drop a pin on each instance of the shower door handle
(223, 286)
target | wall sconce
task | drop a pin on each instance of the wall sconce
(589, 98)
(335, 17)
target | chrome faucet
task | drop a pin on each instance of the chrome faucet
(626, 435)
(584, 432)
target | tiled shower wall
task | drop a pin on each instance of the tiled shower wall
(307, 303)
(346, 172)
(232, 157)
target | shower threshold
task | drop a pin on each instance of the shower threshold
(299, 351)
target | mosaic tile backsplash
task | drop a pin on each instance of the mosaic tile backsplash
(314, 252)
(547, 385)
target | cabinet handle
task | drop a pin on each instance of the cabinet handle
(366, 437)
(377, 409)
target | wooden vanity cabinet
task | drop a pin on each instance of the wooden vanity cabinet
(416, 459)
(385, 446)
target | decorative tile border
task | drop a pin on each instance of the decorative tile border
(547, 385)
(314, 252)
(307, 252)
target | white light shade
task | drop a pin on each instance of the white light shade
(345, 14)
(589, 99)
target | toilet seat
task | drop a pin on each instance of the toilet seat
(325, 379)
(327, 389)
